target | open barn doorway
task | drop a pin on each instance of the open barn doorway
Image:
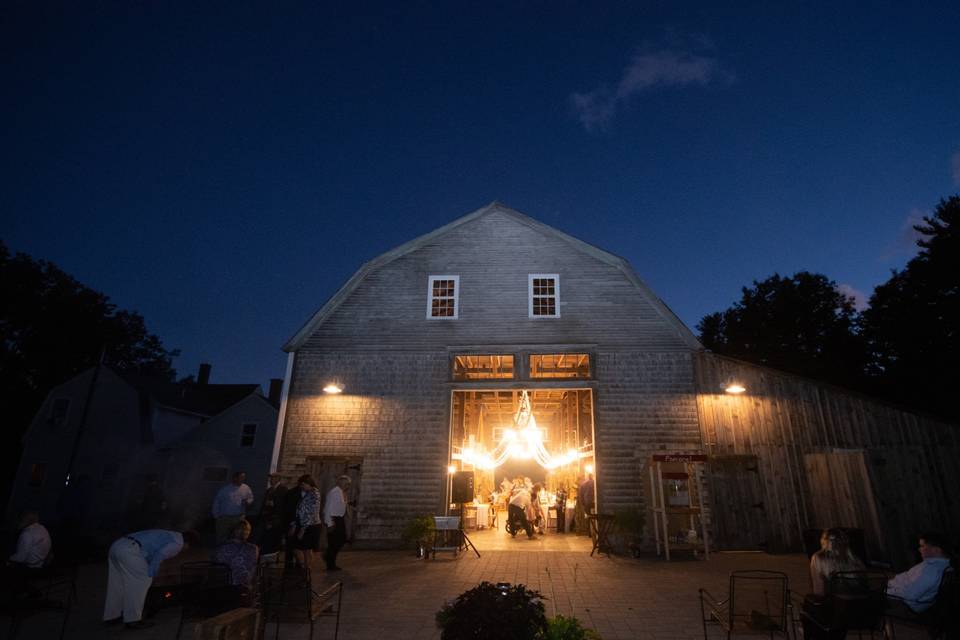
(540, 436)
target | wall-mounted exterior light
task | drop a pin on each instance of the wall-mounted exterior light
(735, 388)
(452, 469)
(333, 387)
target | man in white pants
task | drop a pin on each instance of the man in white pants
(134, 561)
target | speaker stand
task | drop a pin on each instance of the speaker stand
(465, 541)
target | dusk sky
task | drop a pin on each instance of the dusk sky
(223, 170)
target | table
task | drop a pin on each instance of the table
(601, 524)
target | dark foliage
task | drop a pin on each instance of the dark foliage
(488, 611)
(801, 324)
(913, 320)
(53, 327)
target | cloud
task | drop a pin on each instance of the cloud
(648, 69)
(955, 160)
(906, 242)
(860, 299)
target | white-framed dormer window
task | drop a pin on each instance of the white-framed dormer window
(443, 298)
(544, 295)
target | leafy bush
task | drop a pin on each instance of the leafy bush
(491, 611)
(418, 529)
(563, 628)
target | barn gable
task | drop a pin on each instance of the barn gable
(492, 251)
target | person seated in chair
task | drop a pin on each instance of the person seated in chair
(834, 556)
(916, 589)
(517, 512)
(241, 556)
(33, 543)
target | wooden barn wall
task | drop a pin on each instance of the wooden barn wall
(816, 444)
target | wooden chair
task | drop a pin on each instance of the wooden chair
(28, 592)
(757, 602)
(205, 591)
(855, 602)
(286, 595)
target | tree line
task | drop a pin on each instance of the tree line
(901, 348)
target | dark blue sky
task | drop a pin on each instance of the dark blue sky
(223, 170)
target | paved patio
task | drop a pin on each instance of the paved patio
(391, 594)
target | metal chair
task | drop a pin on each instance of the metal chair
(757, 602)
(855, 602)
(205, 591)
(286, 595)
(941, 620)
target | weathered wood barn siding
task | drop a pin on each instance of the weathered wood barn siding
(394, 363)
(827, 457)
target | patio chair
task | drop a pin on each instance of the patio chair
(757, 603)
(855, 602)
(205, 591)
(941, 620)
(286, 595)
(29, 592)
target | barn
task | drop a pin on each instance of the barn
(498, 345)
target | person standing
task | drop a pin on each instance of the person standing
(271, 515)
(134, 561)
(306, 527)
(230, 505)
(334, 516)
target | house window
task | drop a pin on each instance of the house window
(37, 474)
(248, 433)
(215, 474)
(443, 294)
(560, 365)
(58, 412)
(482, 367)
(544, 295)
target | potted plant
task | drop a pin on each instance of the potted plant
(419, 532)
(497, 611)
(629, 527)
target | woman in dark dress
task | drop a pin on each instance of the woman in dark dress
(306, 527)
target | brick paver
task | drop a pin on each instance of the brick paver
(393, 595)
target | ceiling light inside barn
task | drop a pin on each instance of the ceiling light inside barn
(523, 442)
(735, 388)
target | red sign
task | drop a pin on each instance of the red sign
(679, 457)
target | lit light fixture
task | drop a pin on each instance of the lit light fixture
(333, 387)
(735, 387)
(452, 469)
(588, 468)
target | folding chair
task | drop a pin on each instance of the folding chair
(757, 602)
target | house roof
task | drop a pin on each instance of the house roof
(348, 288)
(199, 399)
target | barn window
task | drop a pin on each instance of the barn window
(248, 433)
(560, 365)
(482, 367)
(215, 474)
(58, 412)
(38, 471)
(443, 294)
(544, 295)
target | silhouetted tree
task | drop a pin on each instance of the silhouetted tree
(801, 324)
(53, 327)
(913, 321)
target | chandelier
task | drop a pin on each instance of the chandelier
(524, 441)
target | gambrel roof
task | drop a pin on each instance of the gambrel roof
(670, 319)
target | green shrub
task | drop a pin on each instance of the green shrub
(563, 628)
(418, 529)
(489, 611)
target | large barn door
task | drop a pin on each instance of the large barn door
(842, 496)
(325, 470)
(739, 516)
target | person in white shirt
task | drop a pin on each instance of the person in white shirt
(517, 512)
(334, 512)
(33, 544)
(918, 586)
(230, 505)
